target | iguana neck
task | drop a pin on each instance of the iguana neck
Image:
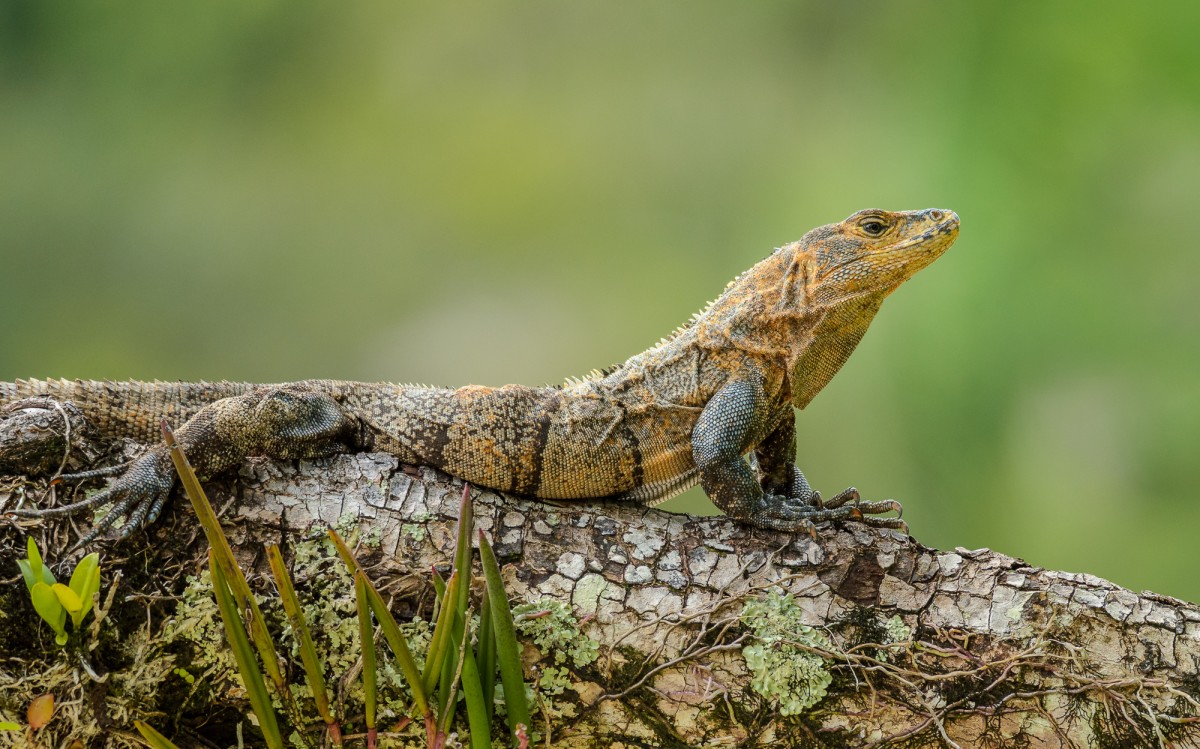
(778, 316)
(836, 330)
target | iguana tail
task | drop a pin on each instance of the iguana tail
(126, 409)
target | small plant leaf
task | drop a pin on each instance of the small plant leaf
(35, 557)
(41, 710)
(50, 609)
(8, 725)
(37, 569)
(155, 739)
(243, 654)
(70, 602)
(508, 651)
(27, 572)
(85, 581)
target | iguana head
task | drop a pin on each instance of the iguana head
(810, 301)
(875, 251)
(843, 272)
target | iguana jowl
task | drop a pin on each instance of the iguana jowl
(692, 408)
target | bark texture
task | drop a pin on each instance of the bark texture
(710, 633)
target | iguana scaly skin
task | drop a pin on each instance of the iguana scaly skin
(690, 409)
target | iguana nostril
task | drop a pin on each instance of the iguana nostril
(936, 215)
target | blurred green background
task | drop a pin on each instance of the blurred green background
(459, 193)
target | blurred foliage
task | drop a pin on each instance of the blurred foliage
(467, 192)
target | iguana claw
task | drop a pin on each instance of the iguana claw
(798, 514)
(137, 494)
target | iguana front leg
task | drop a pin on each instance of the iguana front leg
(289, 421)
(780, 497)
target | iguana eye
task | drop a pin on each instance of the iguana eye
(873, 227)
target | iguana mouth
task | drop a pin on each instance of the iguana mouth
(946, 227)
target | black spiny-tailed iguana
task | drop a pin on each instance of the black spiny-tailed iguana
(691, 408)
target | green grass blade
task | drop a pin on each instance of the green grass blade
(391, 630)
(439, 590)
(508, 651)
(486, 657)
(452, 671)
(343, 551)
(395, 638)
(479, 719)
(447, 691)
(441, 637)
(367, 638)
(314, 670)
(207, 517)
(447, 686)
(223, 553)
(155, 739)
(462, 550)
(243, 653)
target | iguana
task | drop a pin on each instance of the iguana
(713, 402)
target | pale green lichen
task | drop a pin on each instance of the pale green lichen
(555, 632)
(373, 537)
(198, 621)
(415, 532)
(894, 631)
(897, 630)
(554, 680)
(782, 669)
(347, 524)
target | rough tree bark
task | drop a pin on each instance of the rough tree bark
(893, 643)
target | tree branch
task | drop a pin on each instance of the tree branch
(883, 641)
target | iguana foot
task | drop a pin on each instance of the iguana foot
(137, 494)
(798, 514)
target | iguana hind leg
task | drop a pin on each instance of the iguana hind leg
(288, 421)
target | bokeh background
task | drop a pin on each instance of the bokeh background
(454, 193)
